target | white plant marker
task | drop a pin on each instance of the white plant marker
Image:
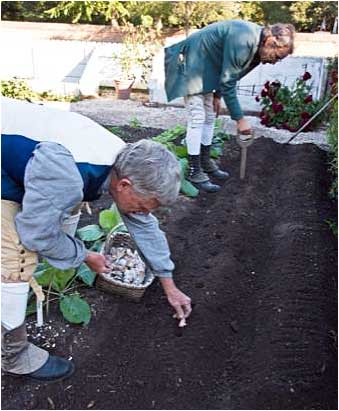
(40, 313)
(40, 297)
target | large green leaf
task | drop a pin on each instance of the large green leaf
(183, 167)
(121, 228)
(75, 309)
(44, 274)
(44, 278)
(186, 187)
(216, 151)
(96, 246)
(86, 274)
(41, 267)
(61, 278)
(90, 233)
(180, 151)
(108, 219)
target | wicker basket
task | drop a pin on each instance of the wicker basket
(130, 291)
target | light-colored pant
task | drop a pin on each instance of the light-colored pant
(200, 125)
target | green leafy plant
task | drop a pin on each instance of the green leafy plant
(63, 285)
(333, 226)
(134, 57)
(59, 285)
(174, 140)
(186, 186)
(20, 90)
(289, 108)
(134, 122)
(332, 137)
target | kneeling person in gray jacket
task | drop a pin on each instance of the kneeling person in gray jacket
(51, 162)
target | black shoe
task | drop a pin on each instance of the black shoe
(219, 174)
(55, 369)
(209, 166)
(207, 186)
(198, 178)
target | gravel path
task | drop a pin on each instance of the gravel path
(118, 112)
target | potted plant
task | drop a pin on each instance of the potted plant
(134, 58)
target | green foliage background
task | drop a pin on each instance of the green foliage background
(19, 89)
(305, 15)
(332, 135)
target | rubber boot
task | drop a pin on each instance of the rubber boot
(198, 178)
(20, 358)
(209, 166)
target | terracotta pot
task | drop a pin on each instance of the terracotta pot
(123, 88)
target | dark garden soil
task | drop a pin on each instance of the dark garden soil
(259, 262)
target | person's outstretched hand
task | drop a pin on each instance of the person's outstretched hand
(177, 299)
(97, 262)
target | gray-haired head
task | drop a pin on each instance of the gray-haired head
(283, 34)
(277, 42)
(152, 169)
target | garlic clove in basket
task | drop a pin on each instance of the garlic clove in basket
(129, 276)
(129, 252)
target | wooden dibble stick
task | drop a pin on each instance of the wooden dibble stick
(244, 141)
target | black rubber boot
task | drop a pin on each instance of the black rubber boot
(55, 369)
(198, 178)
(209, 166)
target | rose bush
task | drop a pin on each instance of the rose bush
(288, 108)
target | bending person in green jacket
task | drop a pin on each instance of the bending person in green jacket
(205, 67)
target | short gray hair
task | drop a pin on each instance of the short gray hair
(284, 35)
(153, 170)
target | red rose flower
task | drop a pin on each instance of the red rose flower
(305, 115)
(276, 84)
(308, 99)
(334, 76)
(277, 107)
(265, 120)
(306, 76)
(267, 85)
(264, 93)
(257, 99)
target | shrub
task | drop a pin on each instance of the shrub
(287, 108)
(332, 137)
(20, 90)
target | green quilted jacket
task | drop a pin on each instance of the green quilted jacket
(213, 59)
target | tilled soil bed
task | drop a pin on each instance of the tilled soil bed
(259, 262)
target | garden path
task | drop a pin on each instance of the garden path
(111, 112)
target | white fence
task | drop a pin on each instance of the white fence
(71, 67)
